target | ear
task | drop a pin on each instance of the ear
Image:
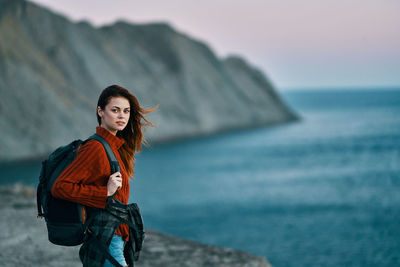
(100, 111)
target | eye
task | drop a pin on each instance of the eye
(126, 111)
(114, 110)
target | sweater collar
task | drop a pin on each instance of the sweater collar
(113, 140)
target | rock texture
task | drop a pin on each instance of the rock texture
(23, 242)
(52, 71)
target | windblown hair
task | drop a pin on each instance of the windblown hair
(133, 132)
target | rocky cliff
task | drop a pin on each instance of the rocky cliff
(52, 71)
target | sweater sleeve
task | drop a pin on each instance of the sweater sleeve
(85, 179)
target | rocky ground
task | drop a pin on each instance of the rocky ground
(23, 241)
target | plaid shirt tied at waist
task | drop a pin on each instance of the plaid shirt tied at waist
(101, 228)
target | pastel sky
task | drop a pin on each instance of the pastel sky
(297, 44)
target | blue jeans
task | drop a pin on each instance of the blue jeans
(116, 250)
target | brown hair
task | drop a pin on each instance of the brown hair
(132, 133)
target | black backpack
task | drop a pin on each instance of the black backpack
(65, 220)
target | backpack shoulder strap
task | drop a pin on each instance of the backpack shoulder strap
(110, 154)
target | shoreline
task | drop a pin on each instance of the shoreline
(24, 241)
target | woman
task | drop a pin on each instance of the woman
(87, 179)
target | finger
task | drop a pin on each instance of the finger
(115, 174)
(117, 178)
(117, 181)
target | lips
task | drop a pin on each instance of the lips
(120, 123)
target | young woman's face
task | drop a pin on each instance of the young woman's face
(115, 115)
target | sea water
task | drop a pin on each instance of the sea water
(322, 191)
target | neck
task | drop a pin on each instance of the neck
(112, 132)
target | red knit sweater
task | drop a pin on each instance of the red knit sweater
(85, 179)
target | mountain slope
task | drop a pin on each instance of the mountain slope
(52, 71)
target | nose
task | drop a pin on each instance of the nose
(122, 115)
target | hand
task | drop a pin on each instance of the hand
(114, 183)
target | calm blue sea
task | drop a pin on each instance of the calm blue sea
(323, 191)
